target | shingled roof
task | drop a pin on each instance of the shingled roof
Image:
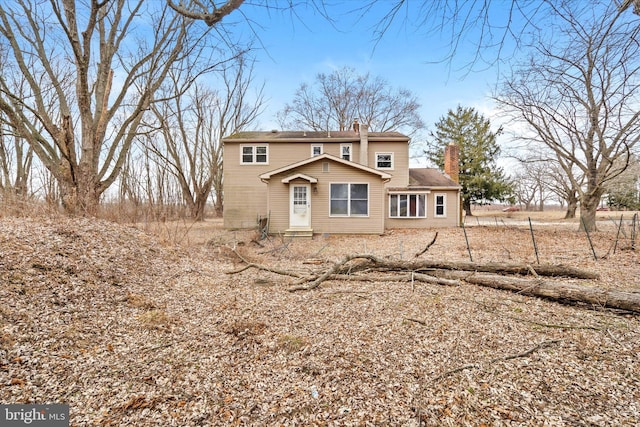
(430, 177)
(306, 136)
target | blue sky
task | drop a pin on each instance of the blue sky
(297, 48)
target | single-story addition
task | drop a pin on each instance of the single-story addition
(350, 182)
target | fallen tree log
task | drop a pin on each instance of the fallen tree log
(557, 291)
(552, 270)
(455, 273)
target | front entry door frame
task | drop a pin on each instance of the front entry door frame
(300, 206)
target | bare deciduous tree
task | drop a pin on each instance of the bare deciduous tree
(16, 159)
(190, 128)
(563, 187)
(88, 65)
(579, 95)
(335, 99)
(530, 184)
(210, 13)
(491, 31)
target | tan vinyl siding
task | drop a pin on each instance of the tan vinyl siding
(400, 169)
(245, 196)
(321, 221)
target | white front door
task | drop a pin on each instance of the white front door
(299, 206)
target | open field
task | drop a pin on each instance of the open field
(143, 326)
(553, 217)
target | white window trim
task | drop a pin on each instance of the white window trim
(384, 154)
(350, 151)
(314, 146)
(253, 153)
(411, 193)
(444, 205)
(348, 215)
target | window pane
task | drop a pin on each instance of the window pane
(317, 150)
(247, 154)
(261, 154)
(359, 207)
(339, 191)
(412, 205)
(339, 207)
(393, 205)
(407, 205)
(346, 152)
(403, 205)
(359, 191)
(299, 195)
(440, 203)
(384, 161)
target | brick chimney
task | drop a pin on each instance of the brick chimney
(356, 126)
(364, 144)
(452, 161)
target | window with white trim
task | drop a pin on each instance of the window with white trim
(316, 150)
(407, 205)
(440, 203)
(345, 151)
(348, 199)
(384, 160)
(254, 154)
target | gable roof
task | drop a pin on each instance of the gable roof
(305, 136)
(290, 178)
(430, 178)
(324, 156)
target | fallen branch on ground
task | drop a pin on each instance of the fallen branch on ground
(428, 246)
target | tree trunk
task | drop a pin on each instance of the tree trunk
(467, 207)
(426, 265)
(197, 210)
(572, 206)
(588, 206)
(563, 292)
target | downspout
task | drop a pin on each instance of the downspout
(385, 198)
(266, 181)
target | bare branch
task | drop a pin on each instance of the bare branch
(211, 18)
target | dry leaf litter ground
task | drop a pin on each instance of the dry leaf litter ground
(131, 329)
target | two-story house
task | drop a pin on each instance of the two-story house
(334, 182)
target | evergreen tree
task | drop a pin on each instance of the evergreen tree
(481, 179)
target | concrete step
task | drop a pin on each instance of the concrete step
(297, 233)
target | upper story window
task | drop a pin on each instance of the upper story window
(349, 199)
(440, 202)
(254, 154)
(384, 160)
(407, 206)
(316, 150)
(345, 151)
